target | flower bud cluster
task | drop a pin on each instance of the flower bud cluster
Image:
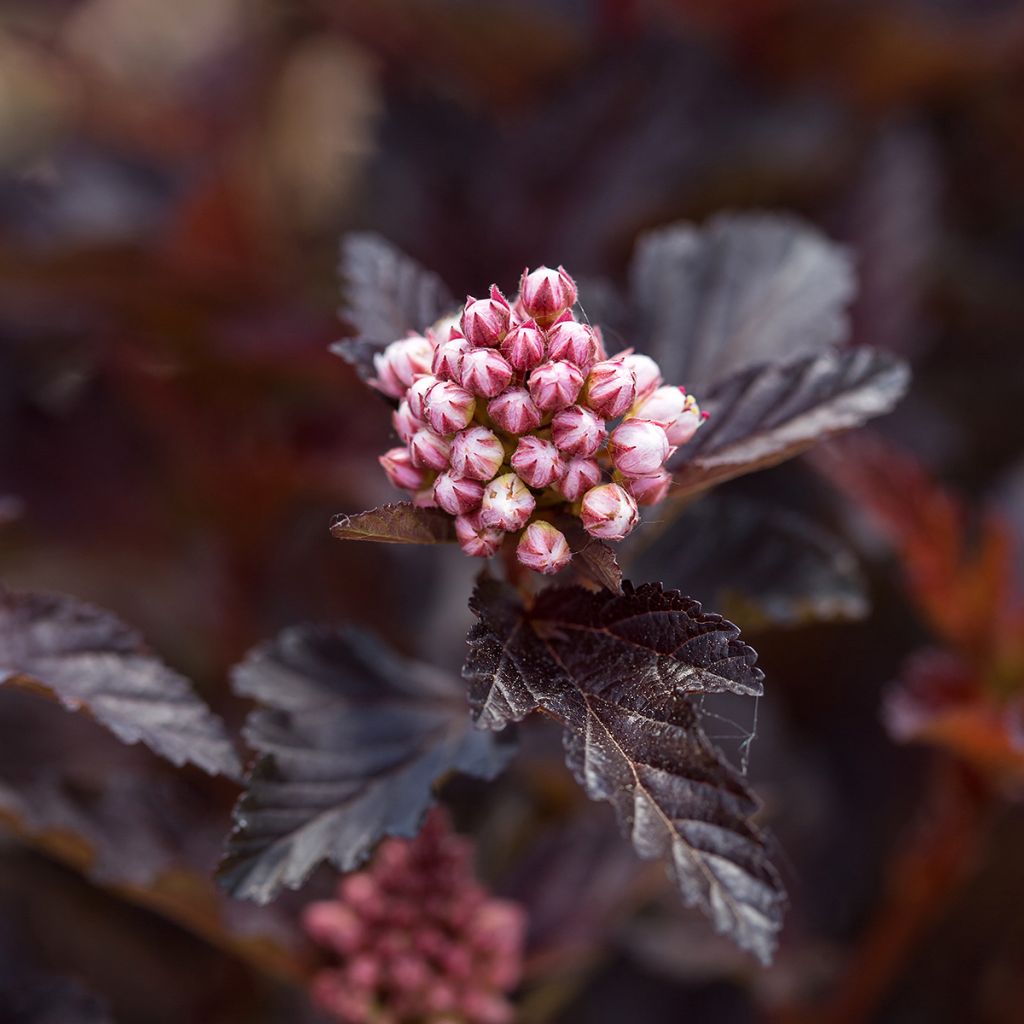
(417, 937)
(515, 412)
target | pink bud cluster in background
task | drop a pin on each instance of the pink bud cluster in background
(517, 413)
(417, 937)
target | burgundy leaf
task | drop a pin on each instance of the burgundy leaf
(353, 739)
(767, 414)
(745, 289)
(90, 658)
(591, 558)
(400, 523)
(618, 673)
(386, 295)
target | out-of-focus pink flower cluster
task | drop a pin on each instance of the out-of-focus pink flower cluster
(514, 411)
(419, 939)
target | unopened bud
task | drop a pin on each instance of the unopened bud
(429, 450)
(610, 388)
(397, 463)
(645, 370)
(457, 495)
(572, 342)
(400, 364)
(485, 321)
(476, 453)
(417, 392)
(524, 345)
(447, 362)
(673, 409)
(580, 475)
(639, 447)
(546, 293)
(485, 372)
(543, 548)
(555, 385)
(537, 461)
(578, 431)
(449, 407)
(476, 539)
(608, 512)
(405, 423)
(649, 490)
(507, 503)
(514, 411)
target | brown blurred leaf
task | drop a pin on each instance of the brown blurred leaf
(401, 523)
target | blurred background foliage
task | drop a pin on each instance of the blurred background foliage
(175, 436)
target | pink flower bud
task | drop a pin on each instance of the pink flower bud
(476, 453)
(546, 293)
(397, 463)
(572, 342)
(425, 498)
(475, 539)
(514, 411)
(578, 431)
(673, 409)
(580, 475)
(457, 495)
(405, 423)
(449, 407)
(543, 548)
(608, 512)
(524, 345)
(611, 388)
(687, 423)
(447, 362)
(537, 461)
(555, 385)
(649, 490)
(485, 321)
(507, 503)
(485, 372)
(400, 363)
(429, 450)
(645, 370)
(639, 447)
(417, 392)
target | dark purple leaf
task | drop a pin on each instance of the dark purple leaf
(757, 563)
(401, 523)
(354, 738)
(745, 289)
(618, 673)
(30, 998)
(90, 658)
(767, 414)
(386, 295)
(591, 558)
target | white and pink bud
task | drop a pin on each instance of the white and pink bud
(580, 475)
(543, 548)
(649, 490)
(429, 450)
(645, 370)
(507, 503)
(578, 431)
(400, 364)
(447, 361)
(448, 407)
(572, 342)
(397, 464)
(485, 372)
(688, 422)
(673, 409)
(476, 539)
(554, 385)
(639, 447)
(457, 495)
(608, 512)
(514, 411)
(417, 393)
(476, 453)
(524, 345)
(485, 321)
(405, 423)
(537, 461)
(546, 293)
(611, 388)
